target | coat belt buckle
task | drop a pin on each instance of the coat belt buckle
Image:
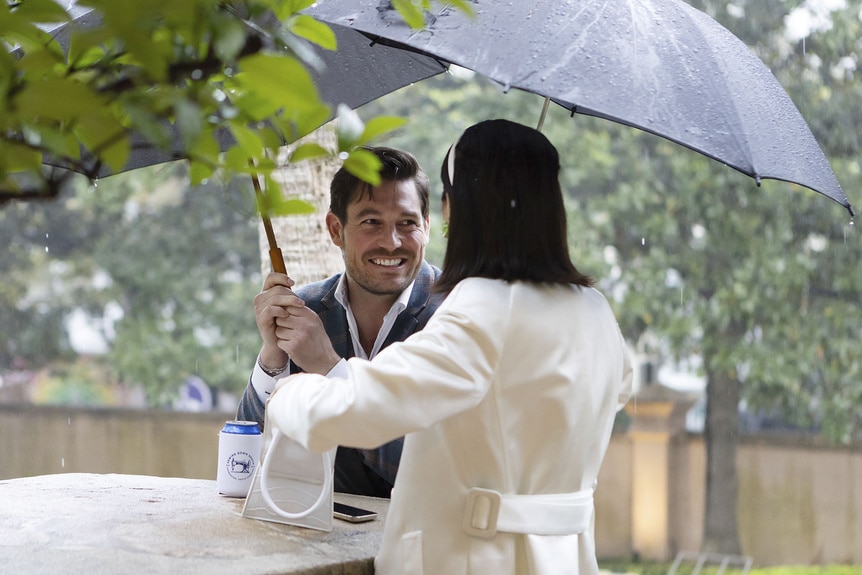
(481, 511)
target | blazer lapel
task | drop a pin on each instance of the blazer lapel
(334, 320)
(412, 318)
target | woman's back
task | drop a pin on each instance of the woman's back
(557, 383)
(549, 370)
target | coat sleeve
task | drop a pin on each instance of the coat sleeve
(627, 379)
(443, 370)
(250, 408)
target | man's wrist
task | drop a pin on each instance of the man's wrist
(270, 371)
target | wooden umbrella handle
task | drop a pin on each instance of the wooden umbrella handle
(276, 258)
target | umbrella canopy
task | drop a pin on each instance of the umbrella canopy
(657, 65)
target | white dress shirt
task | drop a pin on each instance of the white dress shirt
(264, 383)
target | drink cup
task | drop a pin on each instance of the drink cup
(239, 448)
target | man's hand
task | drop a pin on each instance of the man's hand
(269, 305)
(301, 334)
(289, 329)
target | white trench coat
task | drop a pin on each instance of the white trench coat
(507, 399)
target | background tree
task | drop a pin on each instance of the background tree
(167, 271)
(184, 299)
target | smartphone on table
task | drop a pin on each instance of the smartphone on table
(352, 514)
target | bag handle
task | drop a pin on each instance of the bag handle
(264, 488)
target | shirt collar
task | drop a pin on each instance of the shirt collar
(397, 307)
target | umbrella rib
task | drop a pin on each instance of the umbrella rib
(405, 47)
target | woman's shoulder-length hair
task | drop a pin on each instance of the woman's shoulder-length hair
(507, 213)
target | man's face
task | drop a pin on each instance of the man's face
(383, 240)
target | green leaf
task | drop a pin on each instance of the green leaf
(235, 159)
(253, 106)
(270, 137)
(272, 202)
(349, 128)
(17, 30)
(230, 39)
(378, 126)
(305, 123)
(42, 11)
(19, 158)
(292, 207)
(247, 140)
(412, 13)
(87, 48)
(364, 165)
(206, 148)
(61, 99)
(38, 63)
(313, 31)
(308, 151)
(149, 125)
(100, 134)
(464, 7)
(133, 25)
(199, 172)
(284, 9)
(280, 80)
(61, 143)
(189, 120)
(116, 153)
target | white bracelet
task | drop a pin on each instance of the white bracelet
(272, 372)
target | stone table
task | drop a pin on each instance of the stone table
(131, 524)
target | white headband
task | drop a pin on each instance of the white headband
(450, 164)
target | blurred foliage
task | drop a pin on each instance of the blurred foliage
(179, 77)
(85, 382)
(166, 271)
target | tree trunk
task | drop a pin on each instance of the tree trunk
(309, 254)
(721, 434)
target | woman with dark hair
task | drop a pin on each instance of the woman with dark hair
(507, 398)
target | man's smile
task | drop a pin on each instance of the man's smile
(387, 262)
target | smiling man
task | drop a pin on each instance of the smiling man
(384, 295)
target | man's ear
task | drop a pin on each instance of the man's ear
(335, 229)
(427, 231)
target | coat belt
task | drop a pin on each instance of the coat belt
(488, 512)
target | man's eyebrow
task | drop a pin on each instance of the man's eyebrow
(368, 212)
(376, 212)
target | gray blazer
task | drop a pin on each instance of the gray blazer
(360, 471)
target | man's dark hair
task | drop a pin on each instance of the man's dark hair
(398, 165)
(508, 220)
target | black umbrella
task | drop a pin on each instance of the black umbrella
(657, 65)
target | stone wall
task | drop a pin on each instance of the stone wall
(37, 440)
(800, 500)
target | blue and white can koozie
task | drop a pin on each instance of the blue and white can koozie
(239, 448)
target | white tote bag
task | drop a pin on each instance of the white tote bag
(291, 485)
